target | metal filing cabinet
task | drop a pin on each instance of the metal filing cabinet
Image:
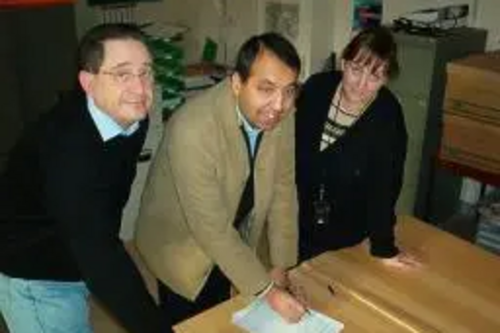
(420, 89)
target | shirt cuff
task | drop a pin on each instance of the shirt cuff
(263, 292)
(384, 251)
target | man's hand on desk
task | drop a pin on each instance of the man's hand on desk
(285, 304)
(403, 261)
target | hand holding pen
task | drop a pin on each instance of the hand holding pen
(285, 304)
(293, 295)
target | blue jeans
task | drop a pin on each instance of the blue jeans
(39, 306)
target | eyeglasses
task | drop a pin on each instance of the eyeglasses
(124, 77)
(358, 70)
(288, 94)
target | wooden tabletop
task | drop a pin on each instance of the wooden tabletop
(458, 289)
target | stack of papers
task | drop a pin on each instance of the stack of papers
(258, 317)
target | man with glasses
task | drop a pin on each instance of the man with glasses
(63, 192)
(223, 181)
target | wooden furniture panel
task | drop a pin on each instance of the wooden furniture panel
(473, 87)
(458, 289)
(471, 142)
(472, 112)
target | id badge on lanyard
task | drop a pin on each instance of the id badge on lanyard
(321, 207)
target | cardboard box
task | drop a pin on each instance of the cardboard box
(473, 87)
(471, 131)
(471, 142)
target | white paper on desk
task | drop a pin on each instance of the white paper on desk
(258, 317)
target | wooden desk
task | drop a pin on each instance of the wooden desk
(458, 290)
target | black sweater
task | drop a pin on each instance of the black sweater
(362, 171)
(62, 197)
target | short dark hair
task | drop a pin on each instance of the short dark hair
(91, 48)
(269, 41)
(379, 43)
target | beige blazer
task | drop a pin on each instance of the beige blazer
(192, 194)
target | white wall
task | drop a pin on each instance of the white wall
(203, 18)
(487, 16)
(342, 25)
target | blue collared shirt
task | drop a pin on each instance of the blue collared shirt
(107, 126)
(252, 132)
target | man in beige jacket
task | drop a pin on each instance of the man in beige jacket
(223, 180)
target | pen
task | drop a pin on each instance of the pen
(297, 295)
(307, 310)
(330, 289)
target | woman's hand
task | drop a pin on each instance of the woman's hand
(403, 261)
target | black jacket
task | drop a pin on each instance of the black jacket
(362, 171)
(61, 198)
